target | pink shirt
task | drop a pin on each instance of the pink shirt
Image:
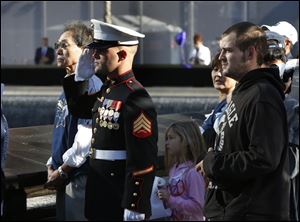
(187, 189)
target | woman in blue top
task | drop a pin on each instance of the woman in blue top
(225, 86)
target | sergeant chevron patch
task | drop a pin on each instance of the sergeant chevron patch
(142, 126)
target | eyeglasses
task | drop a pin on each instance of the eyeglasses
(63, 45)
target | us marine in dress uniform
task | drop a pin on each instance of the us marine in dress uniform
(123, 153)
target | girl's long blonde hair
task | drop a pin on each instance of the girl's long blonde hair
(194, 147)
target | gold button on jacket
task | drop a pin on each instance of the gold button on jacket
(132, 126)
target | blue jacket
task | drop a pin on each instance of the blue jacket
(64, 131)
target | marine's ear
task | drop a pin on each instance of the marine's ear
(122, 55)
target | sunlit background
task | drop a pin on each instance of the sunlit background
(23, 24)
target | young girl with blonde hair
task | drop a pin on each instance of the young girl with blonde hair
(184, 194)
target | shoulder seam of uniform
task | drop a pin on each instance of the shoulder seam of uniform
(136, 82)
(130, 88)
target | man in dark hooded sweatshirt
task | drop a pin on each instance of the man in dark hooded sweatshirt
(248, 166)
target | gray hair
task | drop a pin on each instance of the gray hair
(82, 34)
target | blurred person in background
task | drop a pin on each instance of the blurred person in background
(289, 32)
(276, 57)
(200, 55)
(44, 55)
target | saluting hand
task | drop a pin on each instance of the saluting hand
(85, 68)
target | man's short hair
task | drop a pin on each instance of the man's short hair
(82, 34)
(249, 34)
(197, 38)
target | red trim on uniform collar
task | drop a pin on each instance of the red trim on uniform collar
(121, 77)
(125, 72)
(125, 81)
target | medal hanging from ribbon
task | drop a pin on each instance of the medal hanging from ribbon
(109, 114)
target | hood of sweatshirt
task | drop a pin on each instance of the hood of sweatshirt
(261, 74)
